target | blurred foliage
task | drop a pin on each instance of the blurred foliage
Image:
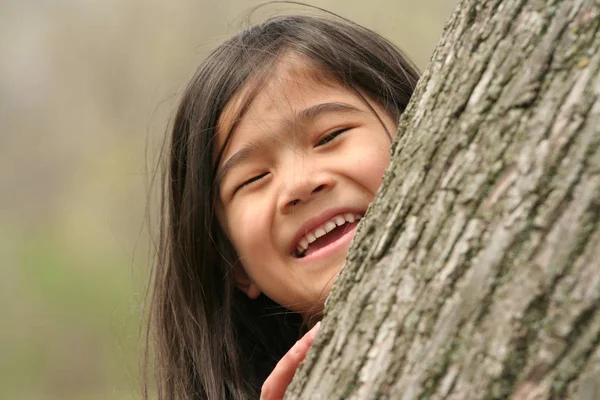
(86, 90)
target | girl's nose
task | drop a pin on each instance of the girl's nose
(303, 188)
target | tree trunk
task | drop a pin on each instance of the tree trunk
(476, 272)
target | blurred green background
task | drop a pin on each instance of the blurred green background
(86, 90)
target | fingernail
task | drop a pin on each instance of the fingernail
(294, 349)
(315, 329)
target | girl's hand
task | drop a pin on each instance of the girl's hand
(276, 383)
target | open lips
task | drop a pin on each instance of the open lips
(335, 226)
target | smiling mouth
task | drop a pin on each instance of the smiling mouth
(326, 234)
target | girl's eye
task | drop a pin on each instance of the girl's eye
(251, 180)
(331, 136)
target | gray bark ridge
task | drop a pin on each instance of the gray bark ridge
(476, 271)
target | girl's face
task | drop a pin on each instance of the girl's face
(298, 172)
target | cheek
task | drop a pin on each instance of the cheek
(371, 165)
(249, 228)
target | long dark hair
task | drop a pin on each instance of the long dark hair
(208, 339)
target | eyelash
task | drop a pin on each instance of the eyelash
(321, 142)
(251, 180)
(331, 136)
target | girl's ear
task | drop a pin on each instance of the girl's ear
(245, 283)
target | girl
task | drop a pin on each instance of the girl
(278, 147)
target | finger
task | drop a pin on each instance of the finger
(278, 381)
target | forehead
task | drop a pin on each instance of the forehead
(291, 82)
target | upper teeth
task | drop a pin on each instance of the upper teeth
(327, 227)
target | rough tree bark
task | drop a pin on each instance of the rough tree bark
(476, 273)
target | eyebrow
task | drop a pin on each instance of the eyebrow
(301, 117)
